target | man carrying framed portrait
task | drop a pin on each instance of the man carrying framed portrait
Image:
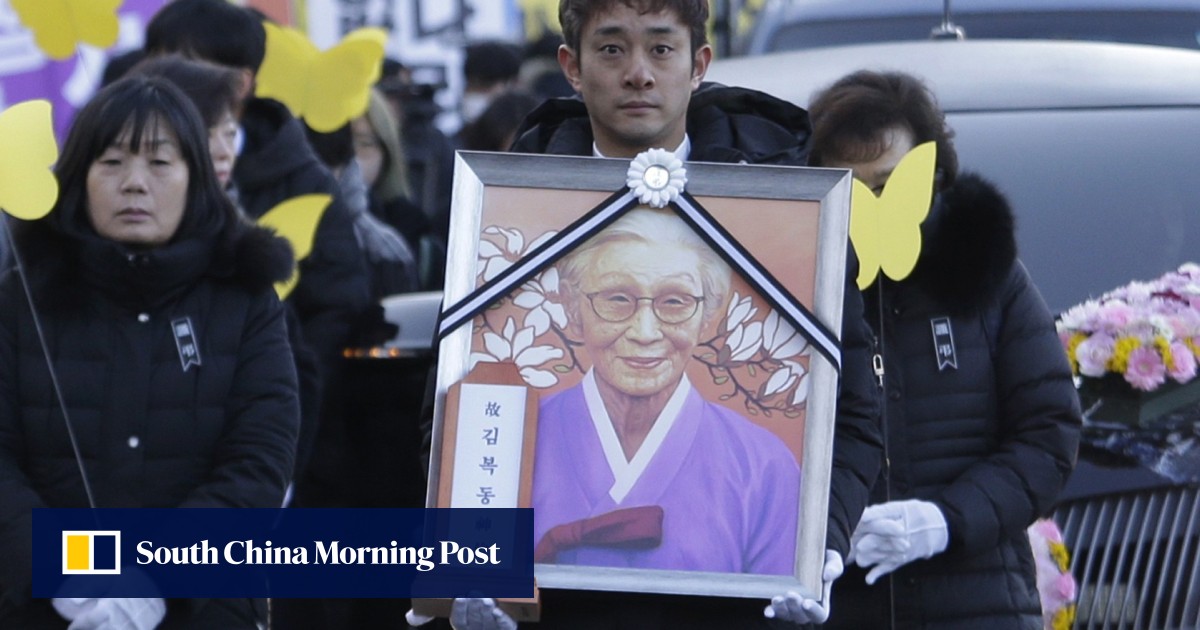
(638, 66)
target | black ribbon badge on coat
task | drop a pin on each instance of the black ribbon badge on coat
(185, 342)
(943, 343)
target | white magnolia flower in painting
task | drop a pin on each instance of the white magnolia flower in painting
(745, 341)
(800, 396)
(656, 177)
(741, 308)
(784, 378)
(494, 259)
(780, 340)
(516, 346)
(533, 297)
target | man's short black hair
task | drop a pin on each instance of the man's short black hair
(213, 30)
(491, 62)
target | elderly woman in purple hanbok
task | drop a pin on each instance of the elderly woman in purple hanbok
(633, 467)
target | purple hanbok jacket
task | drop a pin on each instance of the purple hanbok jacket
(728, 489)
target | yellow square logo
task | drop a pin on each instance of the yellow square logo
(91, 553)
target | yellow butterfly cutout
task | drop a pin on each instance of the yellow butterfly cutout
(60, 25)
(540, 16)
(327, 89)
(28, 188)
(296, 220)
(886, 230)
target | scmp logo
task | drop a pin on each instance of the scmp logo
(91, 553)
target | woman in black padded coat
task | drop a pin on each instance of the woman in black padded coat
(981, 418)
(168, 342)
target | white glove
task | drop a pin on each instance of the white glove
(71, 607)
(474, 613)
(122, 613)
(892, 534)
(794, 608)
(416, 620)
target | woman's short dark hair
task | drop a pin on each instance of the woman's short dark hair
(134, 104)
(850, 116)
(213, 89)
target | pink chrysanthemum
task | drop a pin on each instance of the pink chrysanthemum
(1145, 370)
(1183, 368)
(1115, 316)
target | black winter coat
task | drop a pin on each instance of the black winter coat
(151, 434)
(725, 124)
(277, 165)
(734, 125)
(990, 439)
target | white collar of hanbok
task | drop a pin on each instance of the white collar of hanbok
(626, 472)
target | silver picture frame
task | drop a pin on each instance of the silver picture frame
(796, 209)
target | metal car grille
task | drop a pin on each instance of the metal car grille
(1136, 559)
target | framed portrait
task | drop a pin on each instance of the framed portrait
(676, 354)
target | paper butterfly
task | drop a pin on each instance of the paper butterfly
(28, 188)
(296, 220)
(327, 89)
(60, 25)
(541, 16)
(886, 230)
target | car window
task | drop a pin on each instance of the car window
(1162, 28)
(1101, 197)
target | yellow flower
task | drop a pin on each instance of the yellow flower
(1060, 555)
(1120, 356)
(1064, 618)
(1072, 344)
(1164, 349)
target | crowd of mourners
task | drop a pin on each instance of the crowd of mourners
(149, 359)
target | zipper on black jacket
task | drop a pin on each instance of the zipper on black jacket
(877, 365)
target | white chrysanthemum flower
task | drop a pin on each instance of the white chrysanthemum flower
(656, 176)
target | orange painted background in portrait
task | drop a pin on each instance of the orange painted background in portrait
(757, 369)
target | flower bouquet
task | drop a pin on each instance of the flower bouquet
(1136, 348)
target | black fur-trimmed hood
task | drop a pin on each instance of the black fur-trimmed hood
(56, 262)
(260, 258)
(969, 243)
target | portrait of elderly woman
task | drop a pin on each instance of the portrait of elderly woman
(633, 467)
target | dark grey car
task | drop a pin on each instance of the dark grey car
(1096, 145)
(798, 24)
